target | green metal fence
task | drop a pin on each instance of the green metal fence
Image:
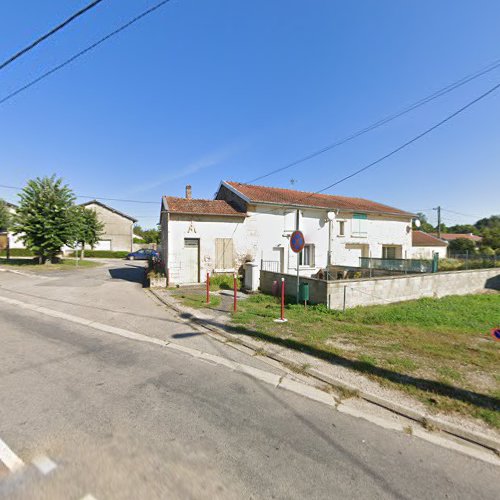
(402, 265)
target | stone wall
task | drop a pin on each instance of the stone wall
(387, 289)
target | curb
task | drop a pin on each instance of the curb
(422, 418)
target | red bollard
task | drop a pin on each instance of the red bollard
(235, 286)
(208, 288)
(282, 318)
(282, 299)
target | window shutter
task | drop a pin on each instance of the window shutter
(224, 253)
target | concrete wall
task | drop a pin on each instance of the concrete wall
(317, 288)
(383, 290)
(118, 230)
(427, 252)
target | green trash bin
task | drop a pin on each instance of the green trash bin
(304, 292)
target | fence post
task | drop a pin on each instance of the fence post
(208, 288)
(235, 286)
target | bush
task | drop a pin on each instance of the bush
(18, 252)
(139, 241)
(103, 254)
(223, 282)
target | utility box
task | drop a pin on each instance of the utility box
(304, 292)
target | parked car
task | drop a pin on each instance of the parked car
(143, 254)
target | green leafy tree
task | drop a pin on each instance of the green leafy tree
(492, 222)
(87, 229)
(461, 246)
(5, 217)
(424, 224)
(44, 217)
(151, 236)
(463, 229)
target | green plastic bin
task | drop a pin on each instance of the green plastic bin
(304, 292)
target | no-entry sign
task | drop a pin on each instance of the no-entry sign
(297, 241)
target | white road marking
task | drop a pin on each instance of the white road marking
(44, 464)
(9, 458)
(89, 497)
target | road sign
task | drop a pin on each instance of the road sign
(496, 333)
(297, 241)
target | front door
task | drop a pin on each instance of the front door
(191, 261)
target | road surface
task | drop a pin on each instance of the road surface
(91, 413)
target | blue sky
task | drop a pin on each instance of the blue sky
(207, 90)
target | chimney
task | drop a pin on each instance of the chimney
(188, 192)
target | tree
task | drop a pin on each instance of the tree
(461, 246)
(44, 217)
(5, 217)
(424, 224)
(147, 235)
(463, 229)
(87, 228)
(492, 222)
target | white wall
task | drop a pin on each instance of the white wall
(380, 230)
(427, 252)
(265, 231)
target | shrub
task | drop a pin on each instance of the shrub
(18, 252)
(223, 282)
(104, 254)
(139, 241)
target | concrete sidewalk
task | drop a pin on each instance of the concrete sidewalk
(348, 382)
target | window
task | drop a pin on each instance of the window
(224, 253)
(341, 228)
(389, 252)
(359, 224)
(306, 257)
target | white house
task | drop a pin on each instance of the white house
(254, 223)
(14, 241)
(425, 245)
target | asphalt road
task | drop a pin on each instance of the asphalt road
(126, 419)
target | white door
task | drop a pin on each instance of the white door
(190, 261)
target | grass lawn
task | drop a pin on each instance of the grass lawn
(438, 350)
(197, 300)
(29, 264)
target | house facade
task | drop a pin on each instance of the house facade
(118, 227)
(254, 223)
(425, 245)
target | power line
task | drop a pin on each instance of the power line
(445, 90)
(17, 188)
(398, 149)
(83, 52)
(460, 213)
(50, 33)
(414, 139)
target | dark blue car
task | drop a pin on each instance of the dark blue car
(143, 254)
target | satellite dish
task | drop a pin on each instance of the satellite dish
(417, 222)
(331, 216)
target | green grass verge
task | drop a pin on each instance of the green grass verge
(32, 265)
(197, 300)
(438, 350)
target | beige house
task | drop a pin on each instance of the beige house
(118, 227)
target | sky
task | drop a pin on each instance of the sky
(203, 91)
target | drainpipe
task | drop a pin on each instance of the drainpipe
(329, 260)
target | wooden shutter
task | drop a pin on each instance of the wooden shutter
(224, 253)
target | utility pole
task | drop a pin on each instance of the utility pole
(297, 224)
(438, 208)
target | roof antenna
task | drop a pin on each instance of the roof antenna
(293, 182)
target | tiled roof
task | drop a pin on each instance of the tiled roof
(201, 207)
(262, 194)
(421, 239)
(107, 207)
(456, 236)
